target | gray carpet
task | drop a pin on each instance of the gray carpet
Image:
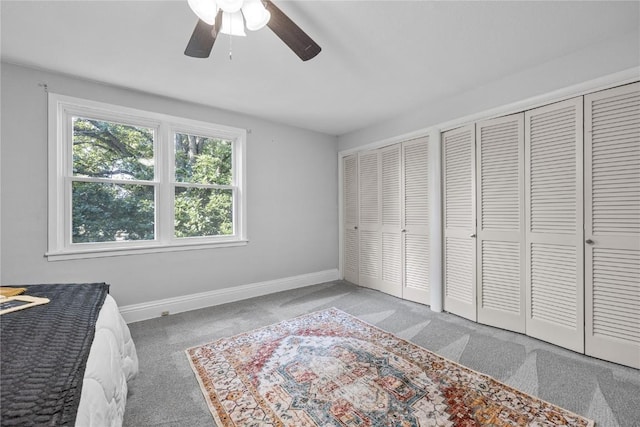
(166, 392)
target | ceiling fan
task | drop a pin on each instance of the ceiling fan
(222, 17)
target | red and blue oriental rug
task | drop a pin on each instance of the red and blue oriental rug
(332, 369)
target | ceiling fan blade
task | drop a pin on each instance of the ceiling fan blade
(203, 37)
(293, 36)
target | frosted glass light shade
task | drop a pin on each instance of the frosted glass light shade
(230, 6)
(205, 10)
(255, 15)
(232, 24)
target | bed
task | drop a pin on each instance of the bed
(67, 362)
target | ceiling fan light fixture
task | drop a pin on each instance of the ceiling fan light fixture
(232, 24)
(255, 14)
(230, 6)
(205, 10)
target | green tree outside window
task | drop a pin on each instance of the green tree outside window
(111, 211)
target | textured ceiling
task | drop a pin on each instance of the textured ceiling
(378, 60)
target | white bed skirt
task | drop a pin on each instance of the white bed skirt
(112, 363)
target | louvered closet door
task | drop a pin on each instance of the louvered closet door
(500, 213)
(370, 220)
(350, 251)
(612, 224)
(554, 223)
(415, 156)
(391, 226)
(459, 221)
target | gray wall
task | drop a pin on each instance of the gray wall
(292, 200)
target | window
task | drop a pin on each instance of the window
(203, 196)
(125, 181)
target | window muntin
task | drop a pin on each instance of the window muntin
(123, 179)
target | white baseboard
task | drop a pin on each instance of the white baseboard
(149, 310)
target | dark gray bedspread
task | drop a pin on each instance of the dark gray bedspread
(43, 354)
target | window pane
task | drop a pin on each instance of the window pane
(203, 212)
(203, 160)
(112, 150)
(112, 212)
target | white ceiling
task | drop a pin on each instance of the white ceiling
(378, 60)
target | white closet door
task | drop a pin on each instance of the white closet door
(554, 223)
(351, 250)
(500, 213)
(415, 156)
(370, 260)
(612, 224)
(391, 221)
(459, 221)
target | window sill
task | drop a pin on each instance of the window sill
(138, 250)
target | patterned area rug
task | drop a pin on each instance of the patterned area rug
(332, 369)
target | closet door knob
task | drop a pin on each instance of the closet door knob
(355, 228)
(403, 230)
(589, 242)
(473, 236)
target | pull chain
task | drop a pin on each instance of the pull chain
(230, 39)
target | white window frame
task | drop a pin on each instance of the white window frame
(60, 246)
